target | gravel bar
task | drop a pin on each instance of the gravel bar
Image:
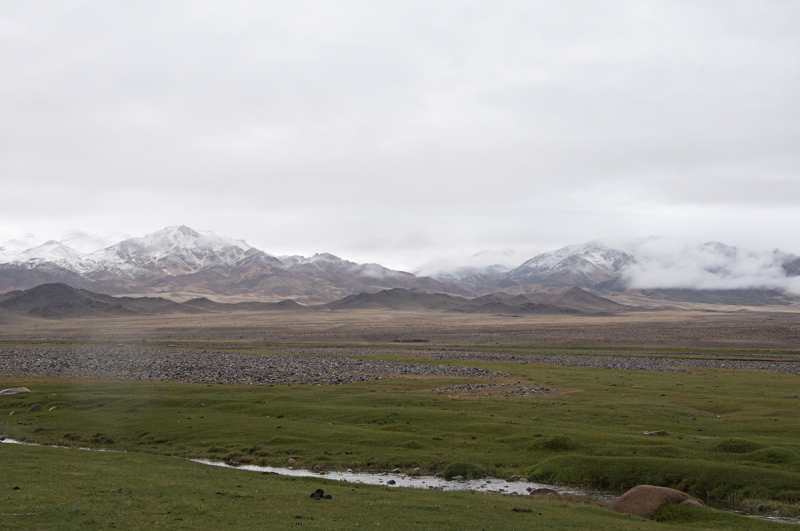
(638, 363)
(175, 365)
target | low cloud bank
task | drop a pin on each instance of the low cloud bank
(456, 267)
(710, 266)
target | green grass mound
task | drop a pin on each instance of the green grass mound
(737, 446)
(772, 455)
(701, 479)
(554, 443)
(465, 470)
(700, 517)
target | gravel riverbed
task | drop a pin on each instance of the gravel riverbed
(632, 363)
(320, 366)
(174, 365)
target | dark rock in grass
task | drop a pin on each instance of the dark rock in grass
(391, 482)
(34, 408)
(521, 510)
(645, 500)
(16, 488)
(318, 494)
(656, 432)
(544, 492)
(761, 508)
(14, 390)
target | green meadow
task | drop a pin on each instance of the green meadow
(731, 438)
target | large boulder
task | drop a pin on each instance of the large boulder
(645, 500)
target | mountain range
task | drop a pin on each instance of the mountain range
(57, 301)
(183, 264)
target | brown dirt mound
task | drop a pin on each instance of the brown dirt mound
(645, 500)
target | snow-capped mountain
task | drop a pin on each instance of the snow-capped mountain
(181, 260)
(56, 253)
(184, 262)
(174, 249)
(587, 264)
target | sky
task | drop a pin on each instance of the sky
(402, 132)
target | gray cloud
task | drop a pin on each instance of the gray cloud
(356, 127)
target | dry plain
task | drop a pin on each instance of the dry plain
(763, 328)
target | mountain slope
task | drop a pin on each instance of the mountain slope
(583, 265)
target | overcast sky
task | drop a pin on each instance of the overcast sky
(400, 131)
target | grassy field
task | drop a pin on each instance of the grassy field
(730, 436)
(72, 489)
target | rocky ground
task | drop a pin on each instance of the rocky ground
(321, 366)
(119, 362)
(635, 362)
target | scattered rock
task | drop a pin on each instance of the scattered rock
(787, 396)
(513, 478)
(11, 413)
(396, 471)
(543, 492)
(521, 510)
(291, 461)
(14, 390)
(34, 408)
(761, 508)
(457, 478)
(645, 500)
(391, 482)
(318, 494)
(679, 383)
(16, 488)
(349, 470)
(656, 432)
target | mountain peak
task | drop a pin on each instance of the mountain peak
(583, 264)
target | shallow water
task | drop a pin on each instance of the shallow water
(404, 480)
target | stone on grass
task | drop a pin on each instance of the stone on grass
(34, 408)
(319, 494)
(786, 396)
(645, 500)
(521, 510)
(14, 390)
(656, 432)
